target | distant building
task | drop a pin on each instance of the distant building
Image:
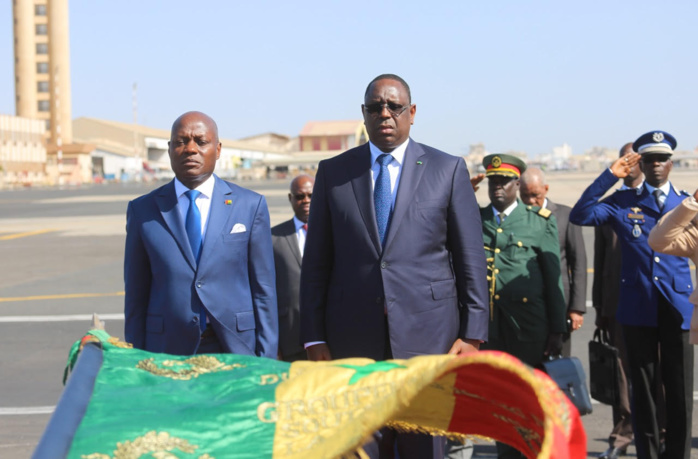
(22, 151)
(42, 84)
(132, 151)
(42, 65)
(332, 135)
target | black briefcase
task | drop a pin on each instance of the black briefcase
(604, 374)
(569, 375)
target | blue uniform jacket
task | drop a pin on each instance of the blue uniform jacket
(632, 214)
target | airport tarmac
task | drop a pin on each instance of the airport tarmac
(62, 252)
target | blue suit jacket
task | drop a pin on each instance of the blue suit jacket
(234, 280)
(632, 214)
(430, 278)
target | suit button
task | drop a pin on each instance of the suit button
(496, 271)
(499, 230)
(497, 250)
(496, 297)
(199, 284)
(656, 278)
(196, 319)
(520, 244)
(384, 265)
(656, 259)
(379, 300)
(525, 300)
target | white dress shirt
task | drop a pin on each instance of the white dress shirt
(203, 201)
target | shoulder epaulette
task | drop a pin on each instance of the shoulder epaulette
(545, 213)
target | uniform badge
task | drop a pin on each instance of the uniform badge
(657, 137)
(496, 161)
(545, 213)
(636, 215)
(637, 232)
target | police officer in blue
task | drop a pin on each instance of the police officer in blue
(653, 305)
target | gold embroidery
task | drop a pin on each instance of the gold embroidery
(157, 444)
(114, 341)
(198, 365)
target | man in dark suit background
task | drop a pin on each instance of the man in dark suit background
(288, 240)
(393, 264)
(198, 265)
(573, 256)
(604, 295)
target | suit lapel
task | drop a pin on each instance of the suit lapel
(168, 205)
(363, 193)
(218, 215)
(292, 240)
(410, 176)
(646, 199)
(672, 199)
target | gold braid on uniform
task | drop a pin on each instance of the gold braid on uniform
(492, 279)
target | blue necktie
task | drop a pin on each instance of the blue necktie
(382, 196)
(193, 226)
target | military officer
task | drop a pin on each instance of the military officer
(653, 306)
(527, 303)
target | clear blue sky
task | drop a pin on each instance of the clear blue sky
(511, 74)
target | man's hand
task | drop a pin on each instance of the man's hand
(475, 181)
(461, 347)
(577, 320)
(554, 345)
(318, 352)
(621, 166)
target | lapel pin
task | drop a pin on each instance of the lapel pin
(228, 202)
(419, 163)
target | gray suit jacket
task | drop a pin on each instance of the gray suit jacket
(573, 258)
(429, 279)
(287, 258)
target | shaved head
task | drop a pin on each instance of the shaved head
(625, 149)
(198, 116)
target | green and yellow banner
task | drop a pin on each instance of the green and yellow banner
(127, 403)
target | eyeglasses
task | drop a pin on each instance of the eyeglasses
(394, 109)
(300, 197)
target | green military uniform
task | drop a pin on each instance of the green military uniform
(527, 302)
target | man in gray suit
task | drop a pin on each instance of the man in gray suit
(288, 239)
(393, 264)
(573, 257)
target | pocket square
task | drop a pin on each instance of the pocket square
(238, 228)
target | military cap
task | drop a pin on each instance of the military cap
(655, 142)
(503, 164)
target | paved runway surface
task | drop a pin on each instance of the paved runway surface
(62, 260)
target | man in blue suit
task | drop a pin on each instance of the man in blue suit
(199, 265)
(653, 305)
(393, 264)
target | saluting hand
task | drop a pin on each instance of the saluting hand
(621, 167)
(475, 181)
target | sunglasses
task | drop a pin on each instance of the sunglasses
(300, 197)
(393, 108)
(648, 159)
